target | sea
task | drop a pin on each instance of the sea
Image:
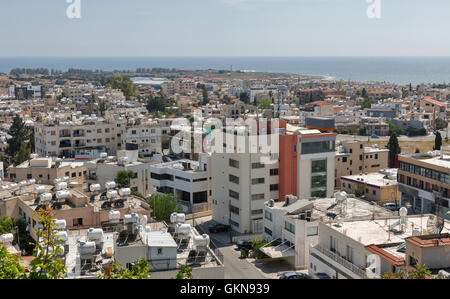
(398, 70)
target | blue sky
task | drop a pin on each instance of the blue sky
(224, 28)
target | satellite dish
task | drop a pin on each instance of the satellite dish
(435, 224)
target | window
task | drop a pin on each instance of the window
(274, 172)
(77, 221)
(234, 223)
(258, 181)
(233, 194)
(257, 196)
(318, 147)
(267, 231)
(233, 163)
(234, 210)
(233, 179)
(160, 251)
(257, 212)
(344, 159)
(257, 165)
(289, 227)
(312, 231)
(274, 187)
(350, 254)
(268, 215)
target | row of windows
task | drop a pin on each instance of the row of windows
(318, 147)
(425, 172)
(289, 227)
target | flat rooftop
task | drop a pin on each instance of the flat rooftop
(373, 178)
(377, 231)
(325, 209)
(433, 159)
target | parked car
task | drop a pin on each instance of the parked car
(219, 228)
(391, 206)
(244, 244)
(374, 137)
(294, 275)
(322, 276)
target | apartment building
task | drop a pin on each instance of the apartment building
(423, 181)
(146, 135)
(352, 158)
(79, 137)
(294, 224)
(380, 187)
(368, 248)
(189, 181)
(241, 184)
(46, 170)
(306, 163)
(104, 170)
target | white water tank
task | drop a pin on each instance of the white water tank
(40, 189)
(403, 212)
(62, 236)
(95, 234)
(114, 216)
(103, 155)
(86, 248)
(60, 224)
(31, 182)
(201, 241)
(131, 218)
(182, 229)
(62, 195)
(125, 191)
(110, 185)
(6, 238)
(341, 195)
(61, 186)
(177, 218)
(111, 194)
(57, 180)
(46, 197)
(22, 183)
(95, 187)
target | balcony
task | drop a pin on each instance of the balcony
(341, 261)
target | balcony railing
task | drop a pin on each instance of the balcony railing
(343, 262)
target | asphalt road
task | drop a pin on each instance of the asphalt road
(235, 268)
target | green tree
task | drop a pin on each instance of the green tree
(125, 84)
(244, 97)
(364, 93)
(47, 264)
(205, 97)
(394, 129)
(184, 273)
(10, 267)
(366, 103)
(23, 154)
(139, 270)
(102, 107)
(264, 104)
(165, 142)
(156, 104)
(19, 134)
(394, 150)
(6, 225)
(123, 178)
(441, 124)
(421, 272)
(362, 131)
(163, 205)
(437, 141)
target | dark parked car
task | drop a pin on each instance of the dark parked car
(391, 206)
(294, 275)
(219, 228)
(322, 276)
(244, 244)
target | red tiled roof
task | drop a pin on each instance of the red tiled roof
(435, 242)
(397, 261)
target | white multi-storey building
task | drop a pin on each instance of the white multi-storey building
(189, 181)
